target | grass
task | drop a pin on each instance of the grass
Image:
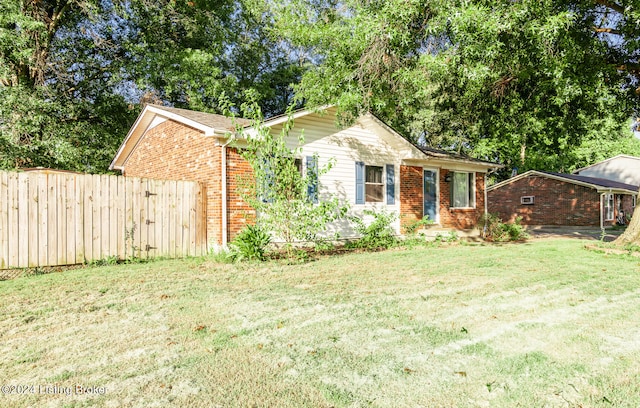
(544, 323)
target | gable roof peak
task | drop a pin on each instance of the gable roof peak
(214, 121)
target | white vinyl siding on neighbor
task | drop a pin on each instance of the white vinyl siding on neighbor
(463, 190)
(624, 169)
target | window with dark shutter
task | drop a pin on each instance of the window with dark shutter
(312, 178)
(391, 188)
(359, 183)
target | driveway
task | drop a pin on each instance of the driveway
(588, 233)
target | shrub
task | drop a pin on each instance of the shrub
(378, 234)
(250, 244)
(452, 236)
(414, 226)
(493, 229)
(284, 188)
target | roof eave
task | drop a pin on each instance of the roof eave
(277, 120)
(598, 188)
(141, 125)
(431, 156)
(627, 156)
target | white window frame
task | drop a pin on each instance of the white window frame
(388, 184)
(609, 207)
(382, 184)
(471, 186)
(527, 200)
(634, 201)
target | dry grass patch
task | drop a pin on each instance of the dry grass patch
(538, 324)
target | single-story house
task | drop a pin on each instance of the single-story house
(621, 168)
(374, 167)
(543, 198)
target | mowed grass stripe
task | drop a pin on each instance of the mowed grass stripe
(534, 324)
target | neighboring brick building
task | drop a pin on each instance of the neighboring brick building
(542, 198)
(373, 167)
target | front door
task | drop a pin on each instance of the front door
(430, 194)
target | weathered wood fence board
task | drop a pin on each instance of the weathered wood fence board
(56, 218)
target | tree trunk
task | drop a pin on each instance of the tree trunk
(632, 234)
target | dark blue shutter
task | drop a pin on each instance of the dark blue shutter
(359, 183)
(391, 188)
(267, 183)
(312, 178)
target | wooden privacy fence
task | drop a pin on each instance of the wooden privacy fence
(56, 218)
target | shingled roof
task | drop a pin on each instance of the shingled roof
(599, 184)
(597, 181)
(211, 120)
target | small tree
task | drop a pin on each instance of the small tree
(285, 192)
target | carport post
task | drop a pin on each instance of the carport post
(601, 212)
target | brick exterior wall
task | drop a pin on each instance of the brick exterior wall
(173, 151)
(555, 202)
(411, 200)
(411, 193)
(239, 181)
(463, 218)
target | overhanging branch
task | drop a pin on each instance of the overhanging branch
(630, 68)
(611, 5)
(607, 30)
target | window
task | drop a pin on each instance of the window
(463, 190)
(373, 183)
(312, 177)
(282, 177)
(634, 200)
(608, 207)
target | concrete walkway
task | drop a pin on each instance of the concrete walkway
(589, 233)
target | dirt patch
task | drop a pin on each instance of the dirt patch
(613, 251)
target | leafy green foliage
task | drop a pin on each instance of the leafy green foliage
(286, 194)
(413, 227)
(250, 244)
(377, 234)
(522, 83)
(72, 74)
(216, 47)
(493, 229)
(451, 236)
(37, 129)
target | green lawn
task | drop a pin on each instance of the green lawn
(544, 323)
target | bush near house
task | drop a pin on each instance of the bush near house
(493, 229)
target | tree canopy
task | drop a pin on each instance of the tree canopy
(73, 72)
(530, 83)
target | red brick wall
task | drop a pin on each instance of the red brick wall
(239, 184)
(555, 202)
(173, 151)
(411, 201)
(460, 218)
(412, 205)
